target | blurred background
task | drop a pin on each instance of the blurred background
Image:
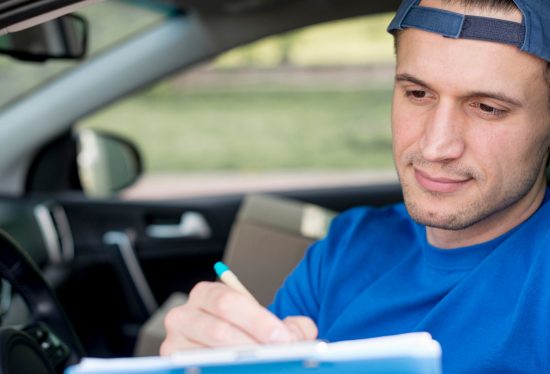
(310, 107)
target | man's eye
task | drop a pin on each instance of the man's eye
(417, 94)
(489, 110)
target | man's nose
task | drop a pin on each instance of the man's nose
(442, 138)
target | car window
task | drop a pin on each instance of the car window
(308, 108)
(104, 19)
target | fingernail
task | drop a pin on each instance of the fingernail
(280, 335)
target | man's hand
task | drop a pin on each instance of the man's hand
(216, 316)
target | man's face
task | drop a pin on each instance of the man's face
(471, 129)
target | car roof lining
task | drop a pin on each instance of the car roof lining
(30, 13)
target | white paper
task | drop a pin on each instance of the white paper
(418, 345)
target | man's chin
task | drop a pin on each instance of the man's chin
(447, 223)
(441, 217)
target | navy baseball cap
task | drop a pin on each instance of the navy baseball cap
(532, 35)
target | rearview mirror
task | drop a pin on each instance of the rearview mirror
(106, 163)
(61, 38)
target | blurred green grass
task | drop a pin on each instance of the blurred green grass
(261, 129)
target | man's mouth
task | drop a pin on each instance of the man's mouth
(440, 183)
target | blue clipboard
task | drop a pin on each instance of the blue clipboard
(413, 353)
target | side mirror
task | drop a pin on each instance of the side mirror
(106, 163)
(60, 38)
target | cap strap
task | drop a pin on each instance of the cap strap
(494, 30)
(455, 25)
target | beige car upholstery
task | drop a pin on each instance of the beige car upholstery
(268, 238)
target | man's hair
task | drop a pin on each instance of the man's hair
(504, 5)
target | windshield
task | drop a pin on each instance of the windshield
(109, 23)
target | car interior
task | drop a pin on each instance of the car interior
(87, 273)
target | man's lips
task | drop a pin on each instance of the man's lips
(439, 183)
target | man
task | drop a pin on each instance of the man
(467, 258)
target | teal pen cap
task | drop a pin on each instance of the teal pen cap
(220, 268)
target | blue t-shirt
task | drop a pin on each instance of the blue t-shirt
(375, 274)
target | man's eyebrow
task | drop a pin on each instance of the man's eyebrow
(487, 94)
(496, 96)
(404, 77)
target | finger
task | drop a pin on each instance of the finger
(174, 344)
(241, 311)
(212, 331)
(303, 327)
(176, 325)
(187, 327)
(170, 346)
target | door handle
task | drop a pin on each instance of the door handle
(192, 225)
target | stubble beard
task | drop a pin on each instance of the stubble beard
(468, 213)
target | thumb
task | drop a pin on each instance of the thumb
(302, 327)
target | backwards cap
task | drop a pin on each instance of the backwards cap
(531, 36)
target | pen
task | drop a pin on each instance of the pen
(230, 279)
